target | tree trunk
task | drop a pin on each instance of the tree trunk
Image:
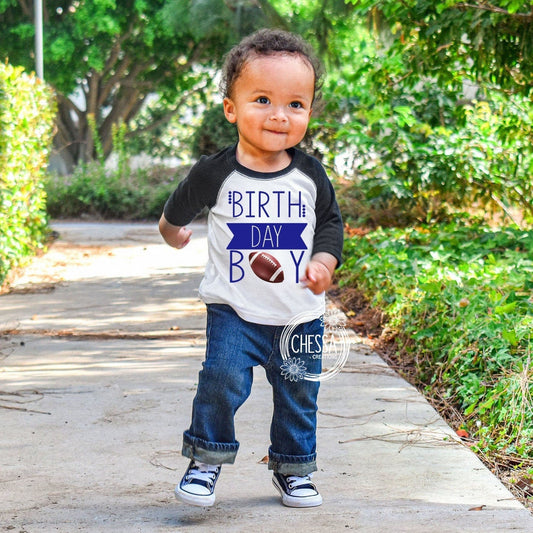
(112, 96)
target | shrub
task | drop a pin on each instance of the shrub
(117, 192)
(26, 119)
(416, 151)
(459, 298)
(122, 194)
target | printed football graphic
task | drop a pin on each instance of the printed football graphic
(266, 267)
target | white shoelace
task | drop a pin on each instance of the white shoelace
(295, 481)
(203, 472)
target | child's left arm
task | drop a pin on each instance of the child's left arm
(319, 272)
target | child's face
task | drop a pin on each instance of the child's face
(271, 104)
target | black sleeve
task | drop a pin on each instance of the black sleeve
(198, 190)
(329, 231)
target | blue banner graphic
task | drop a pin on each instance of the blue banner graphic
(286, 236)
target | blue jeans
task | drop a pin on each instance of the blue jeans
(234, 347)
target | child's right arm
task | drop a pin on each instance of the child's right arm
(175, 236)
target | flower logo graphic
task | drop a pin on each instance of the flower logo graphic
(293, 369)
(333, 350)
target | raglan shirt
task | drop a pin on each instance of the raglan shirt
(285, 216)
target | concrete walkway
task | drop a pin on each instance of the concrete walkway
(102, 340)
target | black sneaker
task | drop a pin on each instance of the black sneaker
(198, 484)
(297, 491)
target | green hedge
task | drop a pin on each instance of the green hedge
(460, 299)
(26, 122)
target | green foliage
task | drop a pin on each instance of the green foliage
(488, 42)
(159, 132)
(214, 133)
(117, 55)
(84, 38)
(121, 194)
(218, 22)
(26, 117)
(422, 173)
(324, 23)
(420, 152)
(112, 191)
(462, 298)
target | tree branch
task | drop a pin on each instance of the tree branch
(112, 81)
(93, 80)
(26, 9)
(506, 210)
(496, 9)
(116, 49)
(65, 123)
(135, 108)
(46, 14)
(68, 103)
(165, 119)
(122, 107)
(67, 139)
(271, 14)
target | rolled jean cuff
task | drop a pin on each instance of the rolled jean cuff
(213, 453)
(296, 465)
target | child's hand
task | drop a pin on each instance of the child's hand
(182, 238)
(175, 236)
(319, 272)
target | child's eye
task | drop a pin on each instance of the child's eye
(263, 100)
(296, 105)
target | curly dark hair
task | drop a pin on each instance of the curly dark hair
(267, 42)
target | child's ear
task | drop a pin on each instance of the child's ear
(229, 110)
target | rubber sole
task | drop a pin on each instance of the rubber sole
(297, 501)
(194, 499)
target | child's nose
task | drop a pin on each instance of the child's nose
(278, 114)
